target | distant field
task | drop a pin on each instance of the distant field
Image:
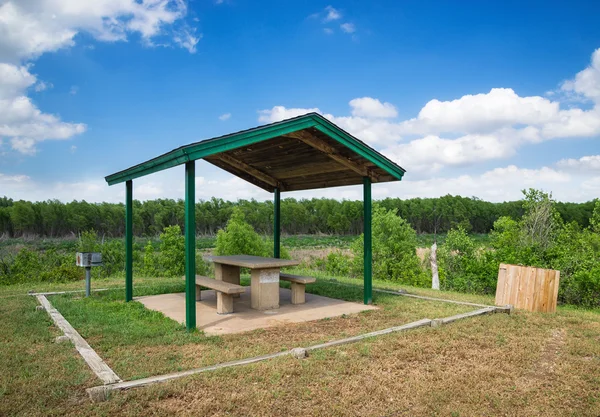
(207, 242)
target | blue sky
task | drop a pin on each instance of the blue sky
(473, 98)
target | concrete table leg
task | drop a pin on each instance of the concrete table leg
(228, 273)
(264, 292)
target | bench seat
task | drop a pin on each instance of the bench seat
(298, 284)
(225, 292)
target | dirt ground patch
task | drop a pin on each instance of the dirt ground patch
(309, 255)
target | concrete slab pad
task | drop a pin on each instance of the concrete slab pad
(245, 318)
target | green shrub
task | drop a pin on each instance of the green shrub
(88, 241)
(113, 257)
(172, 252)
(150, 266)
(577, 257)
(37, 266)
(595, 219)
(465, 268)
(203, 267)
(338, 264)
(582, 288)
(58, 267)
(239, 237)
(394, 250)
(540, 239)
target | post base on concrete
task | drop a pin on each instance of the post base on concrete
(436, 323)
(508, 309)
(99, 394)
(299, 353)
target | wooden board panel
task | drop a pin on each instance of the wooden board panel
(554, 297)
(501, 286)
(527, 288)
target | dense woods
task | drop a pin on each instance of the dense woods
(428, 215)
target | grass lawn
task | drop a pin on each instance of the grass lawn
(524, 364)
(125, 334)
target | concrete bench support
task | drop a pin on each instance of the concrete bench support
(225, 292)
(224, 303)
(298, 294)
(298, 284)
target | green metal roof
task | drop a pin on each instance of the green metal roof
(221, 144)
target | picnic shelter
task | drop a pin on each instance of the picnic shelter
(302, 153)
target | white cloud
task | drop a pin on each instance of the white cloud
(30, 28)
(573, 123)
(14, 80)
(499, 184)
(225, 116)
(73, 90)
(591, 187)
(466, 131)
(13, 179)
(278, 113)
(33, 27)
(431, 153)
(42, 85)
(165, 184)
(587, 82)
(348, 27)
(482, 113)
(371, 107)
(586, 163)
(187, 39)
(374, 131)
(20, 120)
(331, 14)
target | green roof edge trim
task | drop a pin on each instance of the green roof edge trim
(346, 139)
(236, 140)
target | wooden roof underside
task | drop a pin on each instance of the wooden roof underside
(303, 160)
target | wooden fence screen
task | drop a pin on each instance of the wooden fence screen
(528, 288)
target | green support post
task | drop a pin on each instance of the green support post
(190, 245)
(276, 224)
(128, 240)
(368, 260)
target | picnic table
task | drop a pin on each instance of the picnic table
(264, 272)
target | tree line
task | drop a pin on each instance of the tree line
(53, 218)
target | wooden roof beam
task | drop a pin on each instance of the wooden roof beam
(258, 174)
(330, 151)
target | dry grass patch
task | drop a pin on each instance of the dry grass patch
(481, 366)
(522, 365)
(125, 335)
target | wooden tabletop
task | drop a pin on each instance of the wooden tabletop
(252, 262)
